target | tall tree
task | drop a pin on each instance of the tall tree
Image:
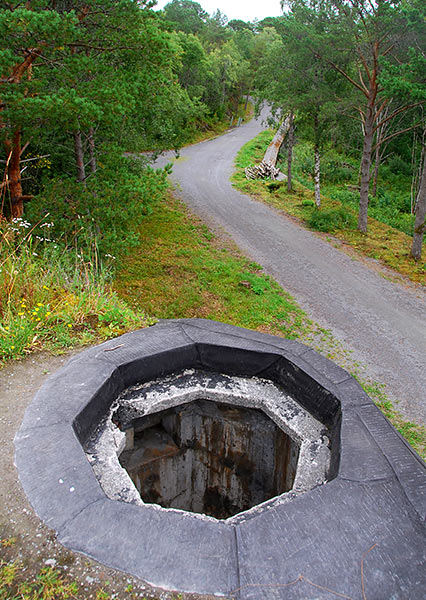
(406, 80)
(294, 79)
(29, 34)
(356, 35)
(77, 67)
(186, 15)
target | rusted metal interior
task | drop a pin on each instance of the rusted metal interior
(209, 457)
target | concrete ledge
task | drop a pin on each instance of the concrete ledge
(378, 496)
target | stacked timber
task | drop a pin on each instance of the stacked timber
(267, 167)
(262, 171)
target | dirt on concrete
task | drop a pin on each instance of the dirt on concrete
(33, 544)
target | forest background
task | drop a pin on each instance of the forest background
(91, 90)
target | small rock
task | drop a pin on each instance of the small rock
(50, 562)
(245, 284)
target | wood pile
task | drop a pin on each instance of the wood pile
(262, 171)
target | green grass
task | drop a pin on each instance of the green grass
(382, 242)
(47, 585)
(184, 270)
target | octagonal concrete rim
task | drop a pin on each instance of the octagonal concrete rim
(64, 492)
(185, 388)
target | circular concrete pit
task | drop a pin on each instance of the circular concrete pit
(206, 458)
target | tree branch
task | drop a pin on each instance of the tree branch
(397, 112)
(346, 76)
(392, 135)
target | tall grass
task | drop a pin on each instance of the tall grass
(53, 297)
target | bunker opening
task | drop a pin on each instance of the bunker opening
(208, 443)
(209, 457)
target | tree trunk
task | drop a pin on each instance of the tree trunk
(419, 223)
(92, 155)
(365, 169)
(317, 170)
(380, 150)
(377, 162)
(14, 175)
(79, 157)
(247, 100)
(290, 153)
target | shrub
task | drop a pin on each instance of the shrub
(107, 212)
(273, 186)
(331, 219)
(398, 166)
(52, 297)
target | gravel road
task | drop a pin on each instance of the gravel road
(383, 323)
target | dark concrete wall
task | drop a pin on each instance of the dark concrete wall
(210, 458)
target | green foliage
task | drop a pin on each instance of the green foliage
(398, 166)
(392, 203)
(186, 16)
(273, 186)
(106, 212)
(331, 219)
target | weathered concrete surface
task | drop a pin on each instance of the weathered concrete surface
(372, 513)
(36, 546)
(219, 442)
(382, 322)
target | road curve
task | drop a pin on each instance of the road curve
(381, 322)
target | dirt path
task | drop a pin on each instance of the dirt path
(383, 323)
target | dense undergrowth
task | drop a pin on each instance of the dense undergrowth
(56, 264)
(52, 297)
(392, 203)
(337, 216)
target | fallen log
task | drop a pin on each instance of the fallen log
(267, 167)
(272, 150)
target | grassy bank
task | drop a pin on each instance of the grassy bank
(184, 270)
(382, 242)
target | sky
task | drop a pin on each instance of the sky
(246, 10)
